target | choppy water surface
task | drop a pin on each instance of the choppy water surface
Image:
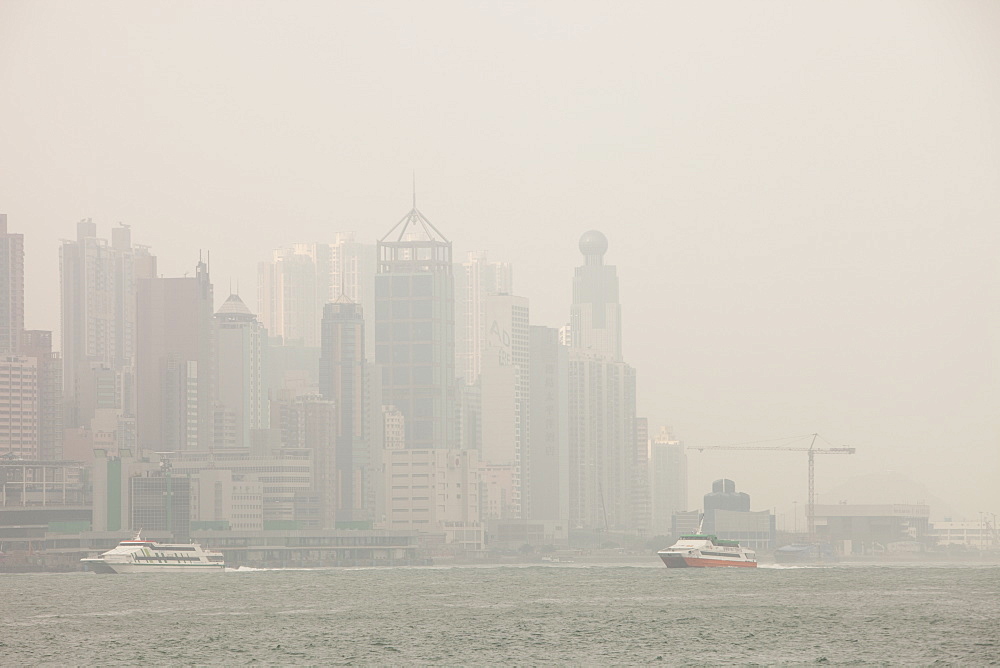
(565, 614)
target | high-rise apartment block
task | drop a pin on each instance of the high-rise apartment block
(289, 295)
(415, 330)
(352, 275)
(37, 344)
(11, 288)
(19, 399)
(175, 363)
(299, 280)
(241, 352)
(99, 282)
(30, 372)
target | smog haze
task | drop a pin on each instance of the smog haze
(801, 199)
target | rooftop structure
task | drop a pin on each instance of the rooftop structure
(415, 329)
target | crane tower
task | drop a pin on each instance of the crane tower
(812, 452)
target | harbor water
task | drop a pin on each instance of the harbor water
(553, 614)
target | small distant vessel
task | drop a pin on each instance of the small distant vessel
(707, 551)
(147, 556)
(557, 560)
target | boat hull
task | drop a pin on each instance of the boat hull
(101, 566)
(672, 561)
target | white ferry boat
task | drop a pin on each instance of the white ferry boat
(147, 556)
(706, 551)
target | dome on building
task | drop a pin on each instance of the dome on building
(593, 243)
(234, 305)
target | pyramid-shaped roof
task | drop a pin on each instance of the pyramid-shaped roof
(234, 305)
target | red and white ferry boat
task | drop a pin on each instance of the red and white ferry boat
(707, 551)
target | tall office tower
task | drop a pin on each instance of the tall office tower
(669, 481)
(38, 344)
(19, 428)
(601, 441)
(98, 320)
(290, 294)
(299, 279)
(503, 381)
(642, 509)
(601, 399)
(475, 280)
(11, 288)
(415, 330)
(595, 317)
(241, 351)
(342, 376)
(545, 489)
(175, 362)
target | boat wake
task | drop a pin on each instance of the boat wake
(251, 569)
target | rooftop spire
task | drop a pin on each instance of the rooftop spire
(415, 219)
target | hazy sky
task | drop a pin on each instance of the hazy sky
(803, 199)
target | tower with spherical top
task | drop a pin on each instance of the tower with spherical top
(605, 489)
(595, 315)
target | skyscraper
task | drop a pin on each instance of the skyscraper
(20, 415)
(601, 441)
(37, 344)
(504, 393)
(11, 288)
(415, 330)
(642, 508)
(475, 279)
(352, 274)
(602, 430)
(300, 279)
(289, 294)
(31, 377)
(342, 377)
(595, 317)
(545, 483)
(175, 361)
(240, 358)
(98, 320)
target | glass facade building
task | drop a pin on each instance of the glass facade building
(415, 330)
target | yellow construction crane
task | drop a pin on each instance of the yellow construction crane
(813, 451)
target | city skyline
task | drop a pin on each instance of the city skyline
(943, 508)
(802, 213)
